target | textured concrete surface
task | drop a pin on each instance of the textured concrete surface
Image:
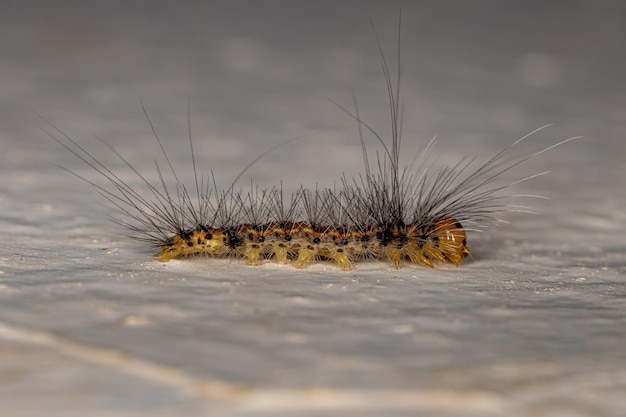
(91, 324)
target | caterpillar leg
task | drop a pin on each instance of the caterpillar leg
(341, 258)
(418, 256)
(253, 254)
(394, 254)
(305, 255)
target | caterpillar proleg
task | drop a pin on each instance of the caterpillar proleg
(403, 214)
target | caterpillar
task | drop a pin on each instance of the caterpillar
(402, 214)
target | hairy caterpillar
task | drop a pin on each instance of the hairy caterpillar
(403, 214)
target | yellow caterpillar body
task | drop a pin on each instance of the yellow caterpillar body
(301, 244)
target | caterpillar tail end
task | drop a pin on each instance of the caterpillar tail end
(170, 250)
(164, 257)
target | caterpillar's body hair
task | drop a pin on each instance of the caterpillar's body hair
(412, 214)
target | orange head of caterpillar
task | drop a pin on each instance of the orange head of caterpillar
(444, 241)
(449, 241)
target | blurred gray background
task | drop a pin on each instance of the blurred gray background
(257, 73)
(89, 323)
